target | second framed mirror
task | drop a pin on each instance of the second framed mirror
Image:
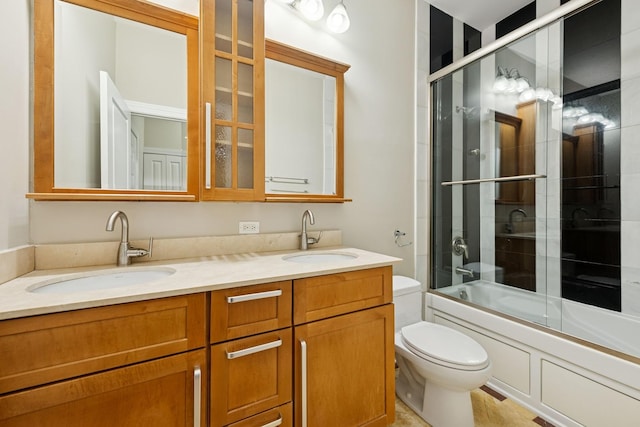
(304, 126)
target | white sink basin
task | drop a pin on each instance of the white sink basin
(321, 257)
(102, 280)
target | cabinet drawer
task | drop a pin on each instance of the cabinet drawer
(165, 392)
(250, 375)
(334, 294)
(277, 417)
(42, 349)
(250, 310)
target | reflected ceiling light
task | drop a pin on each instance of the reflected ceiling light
(311, 9)
(338, 20)
(510, 81)
(501, 83)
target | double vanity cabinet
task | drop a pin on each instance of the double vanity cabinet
(315, 351)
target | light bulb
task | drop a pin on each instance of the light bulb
(311, 9)
(522, 83)
(500, 84)
(338, 20)
(527, 95)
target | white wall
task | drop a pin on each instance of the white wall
(14, 123)
(379, 144)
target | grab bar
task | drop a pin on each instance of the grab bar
(499, 179)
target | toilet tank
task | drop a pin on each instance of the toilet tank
(407, 301)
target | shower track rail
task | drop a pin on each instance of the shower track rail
(499, 179)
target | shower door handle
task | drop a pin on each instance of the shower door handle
(459, 247)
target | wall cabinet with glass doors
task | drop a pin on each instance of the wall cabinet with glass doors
(232, 43)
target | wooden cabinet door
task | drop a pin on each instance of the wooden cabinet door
(344, 370)
(232, 34)
(169, 392)
(250, 375)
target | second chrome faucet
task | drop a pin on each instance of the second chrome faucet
(125, 252)
(305, 240)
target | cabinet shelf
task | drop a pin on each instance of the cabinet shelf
(228, 39)
(244, 145)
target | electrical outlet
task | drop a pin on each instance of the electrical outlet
(248, 227)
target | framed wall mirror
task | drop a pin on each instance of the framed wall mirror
(304, 126)
(115, 101)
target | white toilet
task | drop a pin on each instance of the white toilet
(438, 366)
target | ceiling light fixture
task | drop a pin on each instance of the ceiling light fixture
(313, 10)
(338, 20)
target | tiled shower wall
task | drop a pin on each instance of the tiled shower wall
(630, 156)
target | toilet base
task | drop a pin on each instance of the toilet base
(436, 405)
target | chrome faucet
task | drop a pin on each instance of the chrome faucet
(305, 240)
(509, 226)
(125, 252)
(459, 247)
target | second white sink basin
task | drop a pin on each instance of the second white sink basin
(320, 257)
(102, 280)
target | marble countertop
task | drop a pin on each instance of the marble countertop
(191, 276)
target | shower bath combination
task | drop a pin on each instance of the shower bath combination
(526, 193)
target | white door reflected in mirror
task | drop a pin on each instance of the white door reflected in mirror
(107, 69)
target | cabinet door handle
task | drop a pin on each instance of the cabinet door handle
(197, 396)
(252, 350)
(275, 423)
(303, 381)
(207, 149)
(251, 297)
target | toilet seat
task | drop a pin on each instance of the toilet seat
(444, 346)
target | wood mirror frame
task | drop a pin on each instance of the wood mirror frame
(43, 149)
(299, 58)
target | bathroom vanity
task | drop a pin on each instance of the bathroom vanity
(305, 341)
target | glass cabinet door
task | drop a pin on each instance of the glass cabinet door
(233, 97)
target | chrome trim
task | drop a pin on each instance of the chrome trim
(274, 423)
(499, 179)
(251, 297)
(303, 381)
(554, 15)
(207, 149)
(254, 349)
(197, 395)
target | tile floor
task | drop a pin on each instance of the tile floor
(490, 409)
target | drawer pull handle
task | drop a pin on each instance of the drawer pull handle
(303, 382)
(251, 297)
(255, 349)
(275, 423)
(197, 396)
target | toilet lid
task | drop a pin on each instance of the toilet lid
(444, 346)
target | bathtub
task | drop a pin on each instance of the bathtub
(562, 379)
(611, 329)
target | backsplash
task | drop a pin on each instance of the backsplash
(22, 260)
(16, 262)
(54, 256)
